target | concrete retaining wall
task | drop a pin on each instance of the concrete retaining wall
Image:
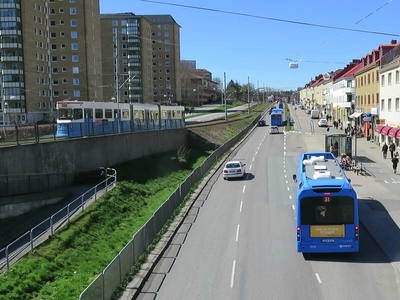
(74, 155)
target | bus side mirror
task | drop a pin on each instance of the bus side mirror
(294, 178)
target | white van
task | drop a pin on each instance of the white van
(314, 114)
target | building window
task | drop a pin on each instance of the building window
(389, 104)
(75, 70)
(166, 34)
(73, 23)
(397, 104)
(383, 105)
(397, 76)
(77, 93)
(166, 26)
(390, 78)
(74, 46)
(75, 81)
(383, 80)
(114, 22)
(74, 34)
(75, 58)
(72, 11)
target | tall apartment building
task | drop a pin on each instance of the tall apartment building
(49, 51)
(127, 58)
(144, 50)
(166, 58)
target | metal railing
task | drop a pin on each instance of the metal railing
(41, 232)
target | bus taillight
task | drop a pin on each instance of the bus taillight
(298, 233)
(356, 232)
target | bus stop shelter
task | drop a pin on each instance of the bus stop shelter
(340, 144)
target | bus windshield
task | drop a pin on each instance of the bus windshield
(326, 210)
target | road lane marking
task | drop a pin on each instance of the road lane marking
(253, 158)
(244, 188)
(250, 167)
(288, 188)
(290, 197)
(294, 208)
(319, 279)
(233, 273)
(241, 206)
(237, 233)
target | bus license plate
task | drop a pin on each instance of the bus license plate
(328, 240)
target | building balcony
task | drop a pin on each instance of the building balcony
(348, 90)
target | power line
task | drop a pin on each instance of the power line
(275, 19)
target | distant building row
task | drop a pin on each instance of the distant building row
(66, 50)
(366, 92)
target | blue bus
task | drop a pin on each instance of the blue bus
(326, 206)
(277, 117)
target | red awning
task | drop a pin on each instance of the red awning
(379, 128)
(398, 135)
(393, 131)
(385, 130)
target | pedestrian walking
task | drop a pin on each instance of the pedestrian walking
(392, 147)
(385, 150)
(395, 162)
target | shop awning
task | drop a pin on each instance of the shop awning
(379, 128)
(393, 131)
(385, 130)
(398, 135)
(355, 115)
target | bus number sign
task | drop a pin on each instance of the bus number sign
(327, 231)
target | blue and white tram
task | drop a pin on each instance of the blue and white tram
(84, 118)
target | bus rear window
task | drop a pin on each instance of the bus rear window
(326, 210)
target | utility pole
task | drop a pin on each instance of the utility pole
(224, 95)
(248, 94)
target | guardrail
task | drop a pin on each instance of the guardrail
(38, 234)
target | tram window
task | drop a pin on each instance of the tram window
(98, 113)
(78, 114)
(65, 114)
(125, 114)
(108, 113)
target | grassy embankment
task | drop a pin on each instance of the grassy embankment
(63, 266)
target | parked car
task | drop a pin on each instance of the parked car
(234, 169)
(322, 123)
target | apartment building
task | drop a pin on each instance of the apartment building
(127, 58)
(388, 129)
(50, 51)
(165, 39)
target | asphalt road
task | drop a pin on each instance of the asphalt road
(239, 243)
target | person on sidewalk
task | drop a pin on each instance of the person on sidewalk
(392, 147)
(395, 162)
(385, 150)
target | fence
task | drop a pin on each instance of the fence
(33, 134)
(34, 237)
(104, 285)
(12, 185)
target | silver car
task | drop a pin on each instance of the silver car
(273, 129)
(234, 169)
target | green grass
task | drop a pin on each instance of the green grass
(65, 265)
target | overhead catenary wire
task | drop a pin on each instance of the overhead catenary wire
(278, 19)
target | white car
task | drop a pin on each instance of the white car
(322, 123)
(273, 129)
(234, 169)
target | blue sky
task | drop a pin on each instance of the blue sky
(256, 47)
